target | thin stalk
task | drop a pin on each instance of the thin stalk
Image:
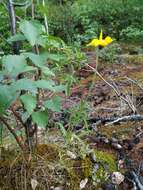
(45, 19)
(97, 57)
(37, 77)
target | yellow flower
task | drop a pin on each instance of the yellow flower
(100, 42)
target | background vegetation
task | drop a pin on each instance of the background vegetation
(78, 21)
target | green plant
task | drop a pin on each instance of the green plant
(132, 33)
(78, 114)
(37, 78)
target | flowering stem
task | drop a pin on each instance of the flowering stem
(97, 57)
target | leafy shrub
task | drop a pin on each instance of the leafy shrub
(132, 34)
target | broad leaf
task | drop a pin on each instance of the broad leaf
(45, 84)
(60, 88)
(7, 97)
(25, 84)
(29, 102)
(47, 71)
(40, 118)
(49, 85)
(37, 60)
(31, 31)
(29, 69)
(40, 61)
(54, 104)
(1, 76)
(14, 64)
(17, 37)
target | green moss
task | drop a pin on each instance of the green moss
(86, 166)
(50, 152)
(106, 158)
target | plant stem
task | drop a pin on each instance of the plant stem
(97, 57)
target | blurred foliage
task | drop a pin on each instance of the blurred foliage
(78, 21)
(82, 20)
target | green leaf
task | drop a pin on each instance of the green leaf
(60, 88)
(40, 61)
(45, 84)
(1, 76)
(15, 38)
(25, 84)
(50, 85)
(55, 57)
(7, 97)
(47, 71)
(54, 104)
(31, 31)
(29, 102)
(63, 130)
(54, 42)
(29, 68)
(37, 60)
(40, 118)
(14, 64)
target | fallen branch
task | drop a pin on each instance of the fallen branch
(136, 180)
(115, 120)
(126, 118)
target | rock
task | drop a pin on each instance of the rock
(117, 178)
(34, 183)
(121, 164)
(71, 155)
(83, 183)
(117, 146)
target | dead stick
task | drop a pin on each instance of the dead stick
(125, 119)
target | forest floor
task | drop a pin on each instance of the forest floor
(122, 140)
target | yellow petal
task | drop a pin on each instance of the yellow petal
(102, 43)
(101, 35)
(94, 42)
(108, 40)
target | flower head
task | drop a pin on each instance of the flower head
(100, 42)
